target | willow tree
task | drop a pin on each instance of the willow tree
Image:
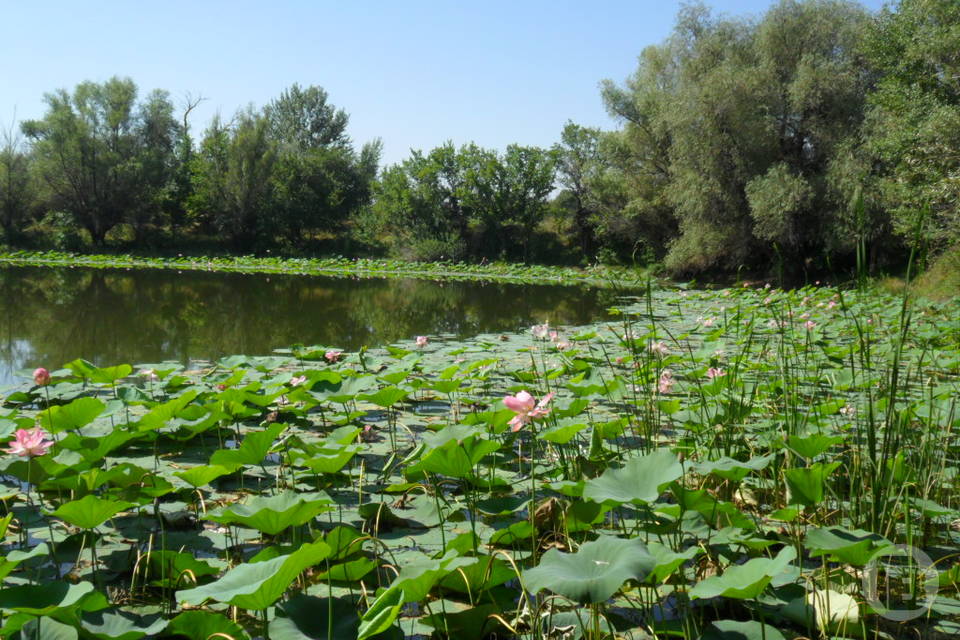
(732, 125)
(913, 128)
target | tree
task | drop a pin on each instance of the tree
(17, 191)
(302, 119)
(439, 199)
(913, 125)
(94, 152)
(733, 125)
(423, 201)
(320, 181)
(510, 190)
(578, 164)
(232, 187)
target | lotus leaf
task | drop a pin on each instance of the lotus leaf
(741, 630)
(258, 585)
(69, 417)
(747, 580)
(807, 484)
(856, 547)
(116, 624)
(274, 514)
(90, 511)
(594, 573)
(204, 625)
(640, 480)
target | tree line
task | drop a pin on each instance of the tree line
(816, 134)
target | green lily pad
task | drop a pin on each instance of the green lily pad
(741, 630)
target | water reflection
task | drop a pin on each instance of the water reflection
(51, 316)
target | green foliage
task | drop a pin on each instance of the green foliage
(105, 158)
(913, 127)
(594, 573)
(231, 180)
(733, 125)
(433, 203)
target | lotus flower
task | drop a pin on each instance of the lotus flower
(422, 341)
(658, 348)
(333, 356)
(41, 377)
(297, 381)
(540, 331)
(715, 372)
(527, 408)
(665, 383)
(30, 443)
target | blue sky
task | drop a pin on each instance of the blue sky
(413, 73)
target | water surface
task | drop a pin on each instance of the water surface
(49, 316)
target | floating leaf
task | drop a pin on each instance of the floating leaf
(46, 628)
(853, 546)
(44, 599)
(14, 558)
(741, 630)
(306, 617)
(733, 470)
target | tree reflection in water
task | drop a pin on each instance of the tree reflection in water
(49, 316)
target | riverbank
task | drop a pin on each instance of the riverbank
(597, 276)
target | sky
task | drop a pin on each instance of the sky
(414, 73)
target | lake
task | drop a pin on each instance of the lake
(50, 316)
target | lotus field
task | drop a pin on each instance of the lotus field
(746, 463)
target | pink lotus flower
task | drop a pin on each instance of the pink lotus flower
(526, 408)
(149, 374)
(41, 377)
(666, 381)
(715, 372)
(540, 331)
(30, 443)
(563, 345)
(422, 341)
(294, 382)
(708, 322)
(809, 324)
(658, 348)
(334, 356)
